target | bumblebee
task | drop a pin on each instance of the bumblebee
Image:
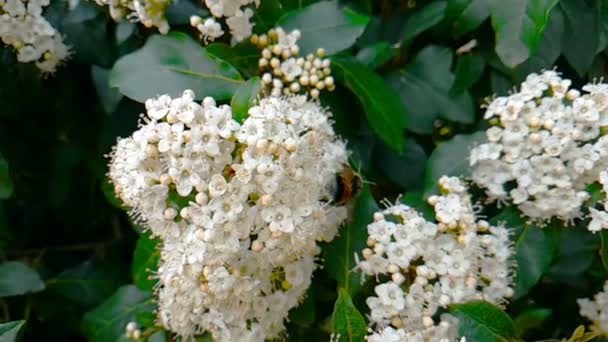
(347, 186)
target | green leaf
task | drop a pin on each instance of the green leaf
(266, 15)
(535, 249)
(376, 55)
(483, 322)
(145, 259)
(245, 97)
(109, 97)
(519, 26)
(451, 158)
(244, 56)
(392, 165)
(416, 201)
(170, 64)
(87, 283)
(385, 113)
(305, 313)
(577, 251)
(16, 278)
(6, 183)
(423, 19)
(9, 331)
(325, 25)
(530, 319)
(469, 69)
(347, 321)
(340, 253)
(549, 49)
(581, 20)
(179, 12)
(424, 86)
(468, 15)
(124, 31)
(107, 322)
(604, 248)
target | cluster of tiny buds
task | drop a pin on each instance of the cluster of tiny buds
(132, 331)
(284, 72)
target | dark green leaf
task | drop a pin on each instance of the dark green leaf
(535, 249)
(394, 165)
(604, 248)
(145, 260)
(6, 183)
(530, 319)
(483, 322)
(376, 55)
(9, 331)
(385, 112)
(124, 30)
(423, 19)
(305, 313)
(519, 26)
(109, 97)
(416, 201)
(325, 25)
(179, 12)
(500, 83)
(171, 64)
(577, 251)
(244, 98)
(549, 49)
(266, 15)
(16, 278)
(340, 254)
(88, 283)
(467, 15)
(424, 86)
(451, 158)
(469, 69)
(107, 322)
(347, 321)
(581, 20)
(244, 56)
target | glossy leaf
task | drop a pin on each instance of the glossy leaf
(347, 321)
(107, 322)
(244, 56)
(16, 278)
(145, 261)
(170, 64)
(109, 97)
(325, 25)
(604, 248)
(376, 55)
(467, 15)
(530, 319)
(9, 331)
(451, 158)
(245, 97)
(385, 113)
(482, 321)
(340, 253)
(581, 20)
(87, 283)
(423, 19)
(6, 183)
(424, 86)
(469, 70)
(577, 251)
(392, 165)
(519, 26)
(266, 15)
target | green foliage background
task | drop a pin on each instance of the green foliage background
(408, 101)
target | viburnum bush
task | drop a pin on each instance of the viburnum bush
(265, 170)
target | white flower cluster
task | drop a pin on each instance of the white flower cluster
(596, 310)
(237, 19)
(284, 72)
(545, 147)
(239, 208)
(151, 13)
(23, 27)
(432, 265)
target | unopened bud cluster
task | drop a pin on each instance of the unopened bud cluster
(236, 15)
(23, 27)
(132, 331)
(151, 13)
(432, 265)
(284, 72)
(239, 208)
(596, 310)
(545, 147)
